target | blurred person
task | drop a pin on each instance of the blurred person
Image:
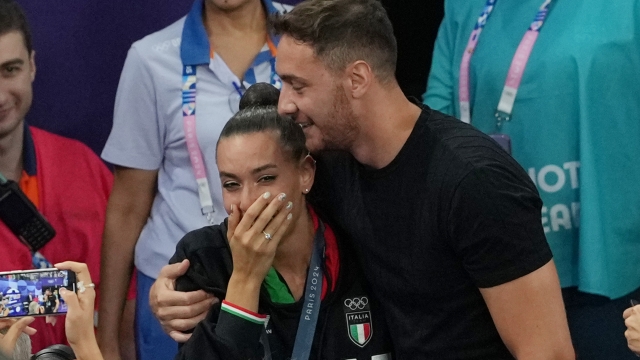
(51, 302)
(564, 93)
(4, 310)
(445, 224)
(34, 307)
(14, 339)
(63, 178)
(166, 182)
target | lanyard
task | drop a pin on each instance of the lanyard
(195, 154)
(189, 81)
(311, 305)
(516, 70)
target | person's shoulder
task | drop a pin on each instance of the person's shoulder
(161, 42)
(62, 144)
(208, 237)
(468, 144)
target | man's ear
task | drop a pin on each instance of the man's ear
(32, 65)
(307, 173)
(359, 78)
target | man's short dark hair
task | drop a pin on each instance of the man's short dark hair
(12, 19)
(343, 31)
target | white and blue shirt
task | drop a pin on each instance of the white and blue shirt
(148, 128)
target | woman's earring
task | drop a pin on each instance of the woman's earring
(306, 191)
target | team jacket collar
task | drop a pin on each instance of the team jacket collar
(194, 47)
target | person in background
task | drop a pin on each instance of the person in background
(62, 177)
(4, 310)
(166, 182)
(538, 75)
(34, 307)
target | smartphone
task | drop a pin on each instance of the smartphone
(503, 140)
(34, 292)
(22, 217)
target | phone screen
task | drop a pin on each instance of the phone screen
(34, 292)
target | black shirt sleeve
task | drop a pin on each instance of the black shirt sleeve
(495, 224)
(223, 336)
(220, 335)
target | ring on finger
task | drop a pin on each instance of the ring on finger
(267, 235)
(82, 287)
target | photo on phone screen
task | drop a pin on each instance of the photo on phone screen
(34, 292)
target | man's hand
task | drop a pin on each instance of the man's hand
(16, 327)
(178, 311)
(632, 320)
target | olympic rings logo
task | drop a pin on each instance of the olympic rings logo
(356, 303)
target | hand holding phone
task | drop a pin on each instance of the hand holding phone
(79, 326)
(34, 292)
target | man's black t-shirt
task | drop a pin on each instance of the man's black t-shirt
(450, 214)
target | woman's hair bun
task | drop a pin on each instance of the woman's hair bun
(260, 94)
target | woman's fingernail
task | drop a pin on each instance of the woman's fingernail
(232, 209)
(289, 216)
(266, 195)
(282, 196)
(289, 205)
(63, 291)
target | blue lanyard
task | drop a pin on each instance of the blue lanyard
(311, 305)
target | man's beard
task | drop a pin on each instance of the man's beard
(341, 127)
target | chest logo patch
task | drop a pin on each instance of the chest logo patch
(358, 315)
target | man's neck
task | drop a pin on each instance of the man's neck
(249, 18)
(11, 153)
(389, 120)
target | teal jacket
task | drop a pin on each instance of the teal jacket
(575, 126)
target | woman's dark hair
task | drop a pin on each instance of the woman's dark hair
(259, 113)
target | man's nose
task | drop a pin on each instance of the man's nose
(286, 106)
